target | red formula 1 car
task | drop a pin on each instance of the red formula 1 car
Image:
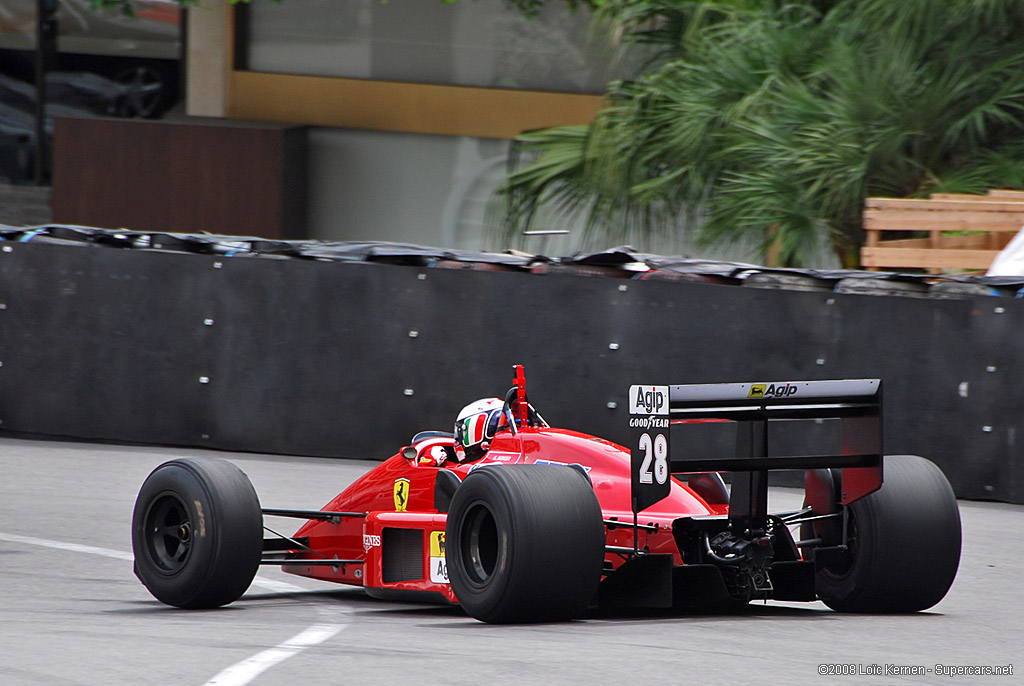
(550, 522)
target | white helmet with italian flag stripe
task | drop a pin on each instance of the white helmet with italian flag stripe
(475, 427)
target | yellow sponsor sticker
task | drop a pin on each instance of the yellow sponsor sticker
(438, 563)
(436, 544)
(757, 390)
(401, 494)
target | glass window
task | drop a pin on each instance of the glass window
(468, 43)
(153, 32)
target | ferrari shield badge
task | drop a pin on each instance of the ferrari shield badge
(438, 564)
(401, 494)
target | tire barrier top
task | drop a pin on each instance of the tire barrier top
(619, 262)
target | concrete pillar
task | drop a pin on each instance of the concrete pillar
(210, 38)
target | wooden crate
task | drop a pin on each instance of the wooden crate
(940, 223)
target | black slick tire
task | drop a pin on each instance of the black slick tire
(197, 533)
(904, 543)
(525, 543)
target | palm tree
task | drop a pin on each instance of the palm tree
(776, 120)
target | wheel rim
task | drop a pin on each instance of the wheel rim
(842, 571)
(144, 89)
(480, 544)
(168, 533)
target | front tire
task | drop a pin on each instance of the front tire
(525, 543)
(197, 533)
(904, 543)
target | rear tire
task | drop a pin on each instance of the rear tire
(904, 542)
(197, 533)
(525, 543)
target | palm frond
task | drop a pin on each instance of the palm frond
(777, 118)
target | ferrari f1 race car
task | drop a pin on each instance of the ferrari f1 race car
(545, 523)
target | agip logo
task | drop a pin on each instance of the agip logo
(648, 400)
(774, 390)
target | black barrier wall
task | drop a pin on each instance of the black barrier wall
(349, 359)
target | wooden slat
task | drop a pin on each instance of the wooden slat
(1001, 205)
(963, 196)
(1006, 194)
(999, 219)
(889, 222)
(925, 258)
(981, 241)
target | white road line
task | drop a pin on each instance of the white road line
(267, 584)
(278, 586)
(240, 673)
(61, 545)
(245, 671)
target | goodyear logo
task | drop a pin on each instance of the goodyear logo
(401, 494)
(774, 390)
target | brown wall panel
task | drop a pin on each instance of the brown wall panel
(224, 177)
(408, 107)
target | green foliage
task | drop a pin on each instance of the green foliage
(776, 120)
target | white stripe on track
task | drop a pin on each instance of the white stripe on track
(61, 545)
(268, 584)
(245, 671)
(240, 673)
(278, 586)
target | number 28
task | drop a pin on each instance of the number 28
(655, 450)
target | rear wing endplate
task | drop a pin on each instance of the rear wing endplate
(657, 412)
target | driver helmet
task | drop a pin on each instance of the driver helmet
(475, 427)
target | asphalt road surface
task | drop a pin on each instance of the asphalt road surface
(72, 612)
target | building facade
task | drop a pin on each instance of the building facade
(411, 105)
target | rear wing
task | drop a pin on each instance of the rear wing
(659, 447)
